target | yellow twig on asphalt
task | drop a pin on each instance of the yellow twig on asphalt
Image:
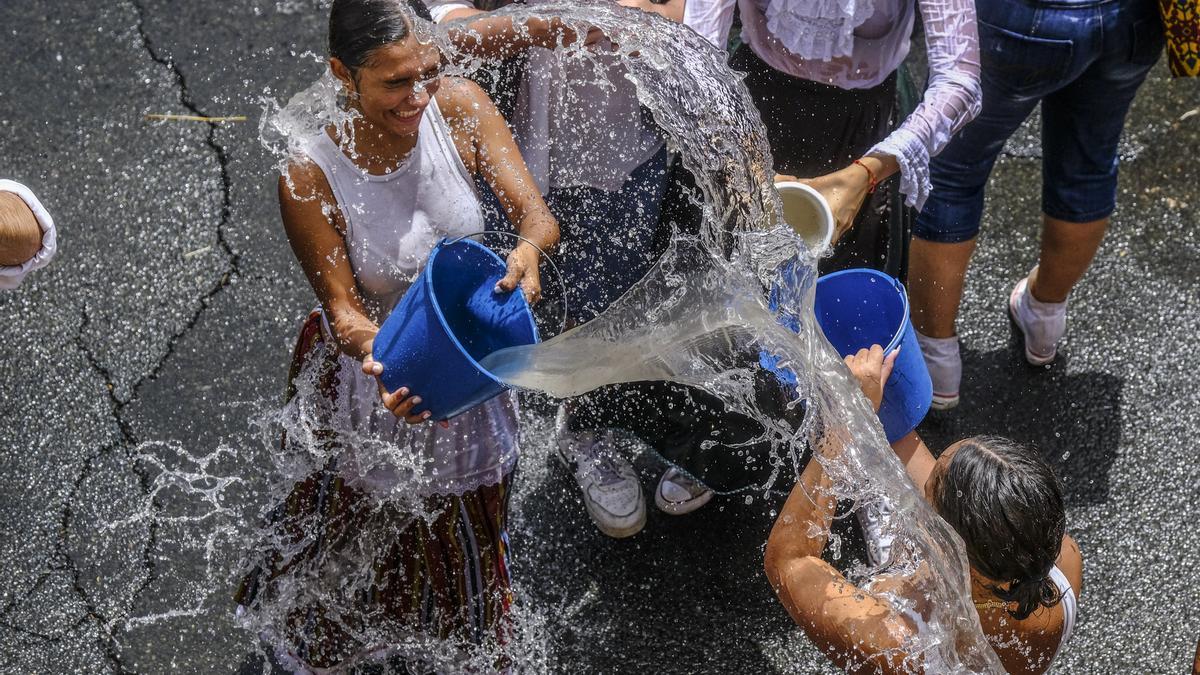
(195, 118)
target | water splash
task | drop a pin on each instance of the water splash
(699, 318)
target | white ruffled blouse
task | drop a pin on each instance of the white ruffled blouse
(11, 276)
(857, 44)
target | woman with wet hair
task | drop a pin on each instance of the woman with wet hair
(396, 544)
(1000, 497)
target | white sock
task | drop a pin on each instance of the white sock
(1032, 309)
(944, 363)
(1042, 322)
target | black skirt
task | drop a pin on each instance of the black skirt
(814, 129)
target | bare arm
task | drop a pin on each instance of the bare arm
(311, 219)
(20, 232)
(310, 214)
(856, 630)
(918, 461)
(872, 368)
(488, 149)
(671, 9)
(479, 33)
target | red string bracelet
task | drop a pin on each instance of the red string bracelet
(870, 176)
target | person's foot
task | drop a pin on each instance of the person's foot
(678, 494)
(611, 491)
(1041, 324)
(945, 369)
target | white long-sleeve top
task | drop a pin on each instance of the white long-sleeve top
(857, 44)
(11, 276)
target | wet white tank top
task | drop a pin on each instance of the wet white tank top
(1070, 606)
(933, 662)
(392, 222)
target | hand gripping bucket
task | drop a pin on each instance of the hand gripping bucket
(448, 320)
(857, 308)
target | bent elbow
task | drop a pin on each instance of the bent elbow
(774, 560)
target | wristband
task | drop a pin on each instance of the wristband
(870, 176)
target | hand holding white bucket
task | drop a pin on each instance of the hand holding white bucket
(807, 213)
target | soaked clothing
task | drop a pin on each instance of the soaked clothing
(345, 568)
(334, 554)
(694, 432)
(1070, 606)
(607, 238)
(392, 223)
(577, 122)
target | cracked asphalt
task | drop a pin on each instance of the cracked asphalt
(163, 329)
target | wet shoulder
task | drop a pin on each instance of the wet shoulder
(302, 178)
(1027, 645)
(1070, 562)
(461, 100)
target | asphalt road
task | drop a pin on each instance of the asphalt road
(161, 334)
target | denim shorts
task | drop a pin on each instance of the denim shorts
(1083, 60)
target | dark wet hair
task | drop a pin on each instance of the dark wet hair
(359, 27)
(1006, 503)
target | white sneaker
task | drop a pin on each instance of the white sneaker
(1041, 323)
(611, 491)
(945, 369)
(874, 520)
(678, 494)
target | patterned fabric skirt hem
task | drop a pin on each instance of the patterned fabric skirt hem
(340, 573)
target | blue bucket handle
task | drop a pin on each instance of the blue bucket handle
(561, 279)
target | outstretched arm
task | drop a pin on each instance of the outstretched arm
(479, 33)
(854, 629)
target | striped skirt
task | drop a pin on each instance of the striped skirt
(340, 573)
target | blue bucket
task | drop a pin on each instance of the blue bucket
(447, 321)
(862, 307)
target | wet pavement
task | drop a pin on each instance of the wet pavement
(165, 325)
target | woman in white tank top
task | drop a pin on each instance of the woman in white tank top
(401, 533)
(1001, 498)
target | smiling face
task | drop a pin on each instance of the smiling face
(395, 84)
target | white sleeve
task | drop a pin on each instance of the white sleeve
(712, 19)
(952, 98)
(11, 276)
(438, 9)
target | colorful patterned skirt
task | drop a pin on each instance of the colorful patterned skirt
(341, 573)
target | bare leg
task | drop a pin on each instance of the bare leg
(1067, 251)
(935, 284)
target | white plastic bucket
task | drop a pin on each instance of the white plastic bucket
(807, 212)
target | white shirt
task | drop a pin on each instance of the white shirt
(11, 276)
(393, 221)
(556, 92)
(857, 44)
